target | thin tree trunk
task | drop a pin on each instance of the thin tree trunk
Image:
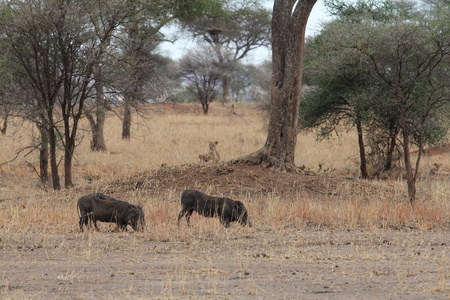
(362, 152)
(204, 100)
(410, 178)
(391, 145)
(69, 143)
(68, 166)
(5, 125)
(43, 155)
(205, 107)
(53, 164)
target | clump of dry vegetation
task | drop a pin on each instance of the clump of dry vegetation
(290, 212)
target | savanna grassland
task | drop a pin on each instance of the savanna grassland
(317, 234)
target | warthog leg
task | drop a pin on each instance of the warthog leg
(187, 213)
(87, 219)
(225, 223)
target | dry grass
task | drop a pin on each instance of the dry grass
(297, 237)
(174, 138)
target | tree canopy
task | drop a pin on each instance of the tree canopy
(383, 65)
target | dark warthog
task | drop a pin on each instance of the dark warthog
(225, 209)
(99, 207)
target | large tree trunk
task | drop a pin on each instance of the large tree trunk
(97, 124)
(288, 42)
(225, 88)
(130, 100)
(126, 122)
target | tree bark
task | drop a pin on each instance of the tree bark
(225, 88)
(362, 152)
(43, 155)
(5, 125)
(53, 164)
(126, 122)
(393, 131)
(205, 107)
(97, 124)
(288, 43)
(410, 178)
(68, 165)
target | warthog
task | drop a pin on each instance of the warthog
(225, 209)
(99, 207)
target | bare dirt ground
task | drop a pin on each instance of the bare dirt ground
(207, 261)
(239, 263)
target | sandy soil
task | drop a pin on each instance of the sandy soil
(239, 263)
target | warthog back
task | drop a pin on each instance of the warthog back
(227, 210)
(98, 207)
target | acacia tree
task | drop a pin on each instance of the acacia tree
(335, 95)
(56, 48)
(202, 71)
(139, 78)
(232, 32)
(400, 57)
(412, 70)
(102, 17)
(130, 70)
(288, 43)
(107, 67)
(30, 52)
(17, 102)
(81, 72)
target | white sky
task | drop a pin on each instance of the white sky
(181, 46)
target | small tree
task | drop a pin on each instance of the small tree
(401, 56)
(135, 75)
(239, 27)
(55, 47)
(202, 71)
(335, 97)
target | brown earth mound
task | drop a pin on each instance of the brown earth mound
(243, 180)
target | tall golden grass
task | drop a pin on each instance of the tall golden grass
(172, 137)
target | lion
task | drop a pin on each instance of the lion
(213, 155)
